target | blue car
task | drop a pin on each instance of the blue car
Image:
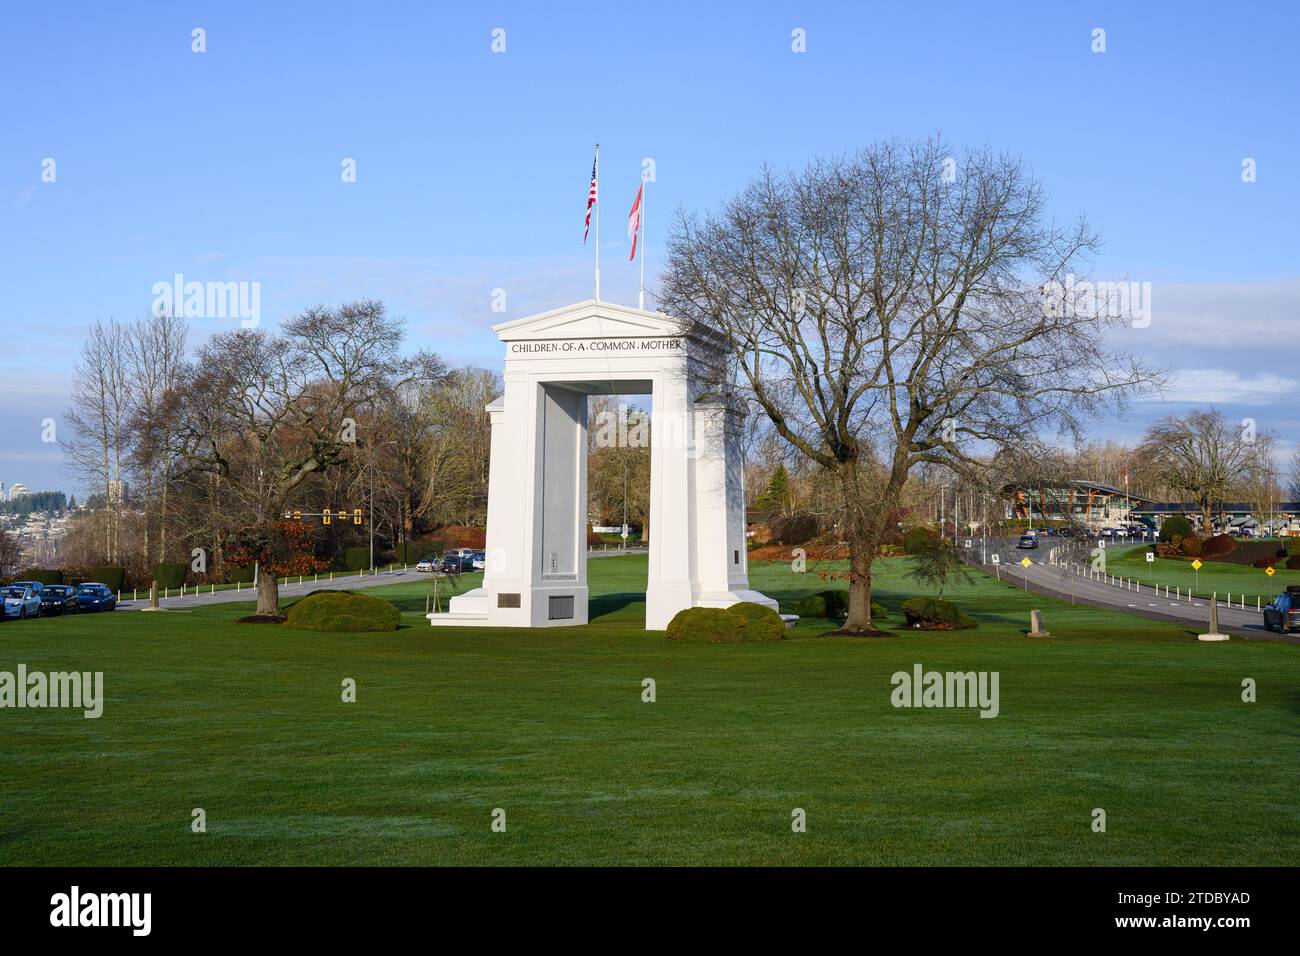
(59, 599)
(36, 586)
(21, 602)
(96, 597)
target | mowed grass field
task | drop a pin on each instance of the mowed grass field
(1219, 577)
(246, 722)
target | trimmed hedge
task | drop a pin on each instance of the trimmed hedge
(342, 611)
(744, 623)
(44, 575)
(113, 578)
(170, 574)
(357, 559)
(932, 614)
(411, 552)
(243, 575)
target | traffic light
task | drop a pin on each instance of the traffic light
(297, 516)
(325, 518)
(356, 516)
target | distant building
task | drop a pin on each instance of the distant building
(1088, 503)
(18, 490)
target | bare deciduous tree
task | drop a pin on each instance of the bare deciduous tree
(1202, 456)
(887, 309)
(98, 419)
(263, 412)
(155, 355)
(457, 438)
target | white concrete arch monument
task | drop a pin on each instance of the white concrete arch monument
(536, 567)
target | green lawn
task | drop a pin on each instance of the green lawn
(1213, 576)
(246, 722)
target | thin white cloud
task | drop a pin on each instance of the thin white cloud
(1212, 315)
(1212, 386)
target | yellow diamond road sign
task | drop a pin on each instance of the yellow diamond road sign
(1025, 562)
(1197, 564)
(1270, 572)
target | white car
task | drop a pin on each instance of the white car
(21, 602)
(429, 564)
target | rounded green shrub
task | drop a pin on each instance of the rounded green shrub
(828, 604)
(757, 622)
(917, 540)
(833, 605)
(932, 614)
(344, 611)
(742, 623)
(1175, 525)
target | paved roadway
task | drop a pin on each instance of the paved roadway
(289, 587)
(1078, 582)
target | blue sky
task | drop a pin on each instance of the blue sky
(472, 166)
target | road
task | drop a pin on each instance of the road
(1078, 582)
(289, 587)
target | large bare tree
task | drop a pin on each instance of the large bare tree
(454, 448)
(263, 413)
(1201, 455)
(155, 355)
(888, 309)
(98, 419)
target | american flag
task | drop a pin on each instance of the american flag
(591, 201)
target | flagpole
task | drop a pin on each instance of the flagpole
(641, 297)
(598, 222)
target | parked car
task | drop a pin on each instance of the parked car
(36, 586)
(1027, 541)
(479, 561)
(21, 602)
(94, 596)
(452, 563)
(428, 563)
(1284, 612)
(60, 599)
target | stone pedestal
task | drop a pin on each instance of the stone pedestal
(1213, 635)
(1036, 628)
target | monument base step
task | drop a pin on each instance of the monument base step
(458, 619)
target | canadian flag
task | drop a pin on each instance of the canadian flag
(634, 221)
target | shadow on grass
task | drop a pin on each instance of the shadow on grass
(606, 605)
